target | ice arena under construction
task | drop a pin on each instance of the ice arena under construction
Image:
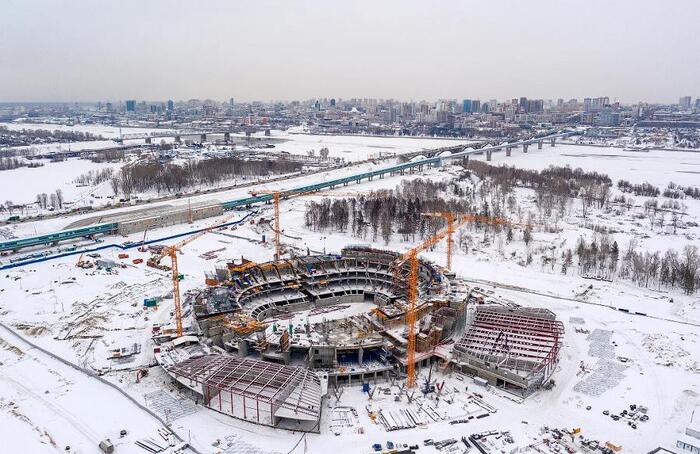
(266, 341)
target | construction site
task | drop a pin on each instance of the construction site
(264, 342)
(218, 320)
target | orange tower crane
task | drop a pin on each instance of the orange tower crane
(278, 228)
(278, 195)
(411, 256)
(172, 251)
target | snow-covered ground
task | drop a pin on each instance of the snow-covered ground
(83, 314)
(50, 177)
(655, 167)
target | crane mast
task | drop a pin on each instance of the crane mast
(411, 256)
(176, 291)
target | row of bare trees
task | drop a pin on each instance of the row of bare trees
(643, 189)
(383, 213)
(15, 163)
(676, 191)
(563, 180)
(598, 258)
(601, 258)
(53, 200)
(94, 177)
(670, 269)
(170, 177)
(17, 137)
(554, 187)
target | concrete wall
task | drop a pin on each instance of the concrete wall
(179, 216)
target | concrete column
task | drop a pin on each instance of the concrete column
(508, 151)
(488, 155)
(178, 139)
(148, 140)
(227, 137)
(539, 145)
(525, 147)
(553, 141)
(360, 354)
(203, 138)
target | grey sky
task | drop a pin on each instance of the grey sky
(85, 50)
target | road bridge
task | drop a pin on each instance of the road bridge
(442, 155)
(202, 134)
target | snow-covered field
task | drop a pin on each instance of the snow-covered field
(82, 314)
(655, 167)
(50, 177)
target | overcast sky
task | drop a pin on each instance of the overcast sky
(88, 50)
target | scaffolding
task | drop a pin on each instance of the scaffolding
(259, 391)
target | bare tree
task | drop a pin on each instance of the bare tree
(59, 198)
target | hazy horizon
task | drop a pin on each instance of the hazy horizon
(67, 51)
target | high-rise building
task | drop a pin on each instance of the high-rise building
(467, 106)
(684, 102)
(534, 106)
(131, 105)
(595, 104)
(476, 106)
(332, 102)
(523, 104)
(697, 104)
(171, 105)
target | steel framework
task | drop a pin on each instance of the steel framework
(260, 391)
(522, 341)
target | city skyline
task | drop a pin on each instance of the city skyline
(277, 51)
